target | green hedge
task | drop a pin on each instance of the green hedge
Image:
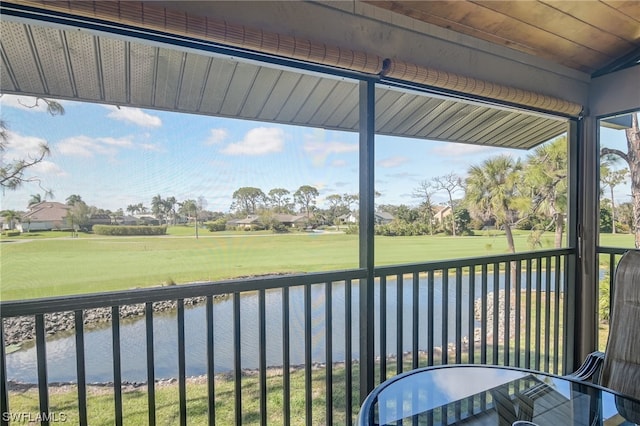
(12, 233)
(129, 230)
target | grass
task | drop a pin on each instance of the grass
(53, 264)
(100, 401)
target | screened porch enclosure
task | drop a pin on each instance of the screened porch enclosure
(304, 347)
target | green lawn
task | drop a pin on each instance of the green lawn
(52, 263)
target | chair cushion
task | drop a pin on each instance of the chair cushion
(621, 369)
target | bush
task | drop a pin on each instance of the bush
(216, 226)
(118, 230)
(13, 233)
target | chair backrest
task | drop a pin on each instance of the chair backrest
(621, 369)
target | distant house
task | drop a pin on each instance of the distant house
(99, 219)
(45, 216)
(348, 218)
(382, 218)
(291, 220)
(441, 212)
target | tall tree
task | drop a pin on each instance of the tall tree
(612, 178)
(450, 183)
(546, 174)
(492, 189)
(280, 201)
(632, 157)
(170, 207)
(158, 207)
(247, 199)
(78, 216)
(72, 199)
(306, 196)
(424, 192)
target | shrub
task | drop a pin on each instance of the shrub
(12, 233)
(217, 225)
(118, 230)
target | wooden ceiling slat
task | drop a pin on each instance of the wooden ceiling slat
(631, 8)
(561, 24)
(583, 35)
(483, 18)
(601, 15)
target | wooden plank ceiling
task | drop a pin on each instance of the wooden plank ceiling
(583, 35)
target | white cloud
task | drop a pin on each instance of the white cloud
(217, 136)
(339, 163)
(258, 141)
(134, 116)
(325, 148)
(48, 168)
(22, 147)
(392, 162)
(85, 146)
(27, 103)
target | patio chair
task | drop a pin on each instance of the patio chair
(620, 364)
(618, 368)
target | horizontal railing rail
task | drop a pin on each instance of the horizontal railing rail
(506, 309)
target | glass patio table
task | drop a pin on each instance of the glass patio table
(493, 395)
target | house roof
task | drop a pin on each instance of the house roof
(384, 215)
(46, 211)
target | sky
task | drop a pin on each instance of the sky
(113, 157)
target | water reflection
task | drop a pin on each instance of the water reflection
(98, 342)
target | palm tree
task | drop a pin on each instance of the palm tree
(35, 199)
(546, 174)
(492, 190)
(10, 216)
(158, 207)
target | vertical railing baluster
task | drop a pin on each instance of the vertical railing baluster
(182, 365)
(348, 341)
(445, 316)
(527, 321)
(472, 324)
(547, 316)
(507, 313)
(41, 353)
(262, 349)
(556, 319)
(286, 359)
(518, 314)
(399, 322)
(458, 315)
(308, 390)
(383, 328)
(430, 313)
(538, 312)
(237, 358)
(416, 320)
(151, 372)
(211, 374)
(496, 313)
(4, 388)
(117, 365)
(328, 345)
(80, 367)
(483, 314)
